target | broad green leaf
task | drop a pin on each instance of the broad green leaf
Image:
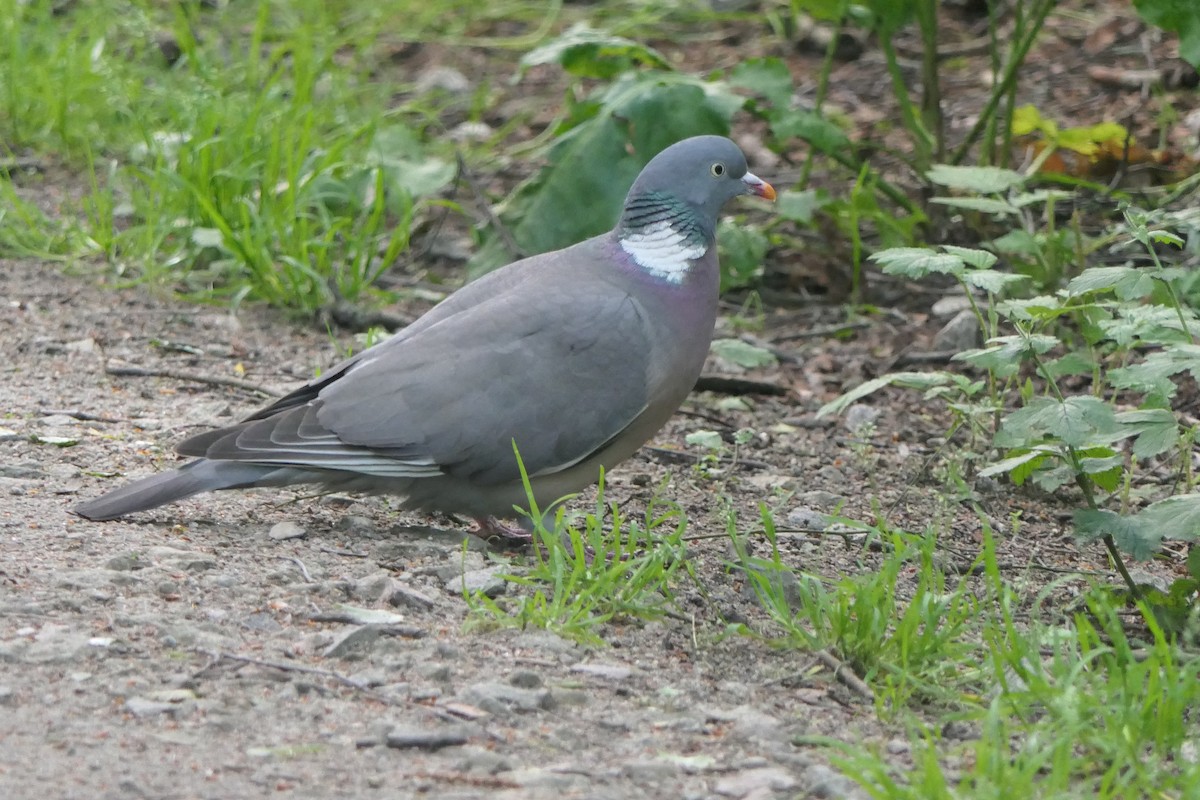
(743, 354)
(1018, 242)
(801, 206)
(1155, 428)
(1179, 16)
(1078, 421)
(590, 53)
(1149, 323)
(591, 166)
(1004, 353)
(1104, 466)
(406, 164)
(1155, 372)
(1128, 283)
(709, 440)
(890, 15)
(991, 281)
(985, 205)
(1030, 459)
(983, 180)
(768, 77)
(1042, 307)
(1174, 518)
(972, 257)
(1131, 534)
(1075, 362)
(812, 127)
(917, 262)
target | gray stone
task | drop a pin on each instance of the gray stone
(411, 737)
(859, 416)
(826, 783)
(373, 587)
(742, 784)
(501, 698)
(952, 304)
(525, 678)
(7, 696)
(610, 672)
(555, 780)
(288, 529)
(125, 562)
(442, 78)
(820, 499)
(354, 644)
(959, 334)
(355, 525)
(481, 761)
(807, 518)
(186, 560)
(402, 595)
(145, 707)
(649, 771)
(486, 581)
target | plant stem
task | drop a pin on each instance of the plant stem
(1007, 85)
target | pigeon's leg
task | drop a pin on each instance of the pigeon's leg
(495, 528)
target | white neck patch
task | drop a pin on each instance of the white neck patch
(660, 250)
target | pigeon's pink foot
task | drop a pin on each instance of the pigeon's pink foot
(495, 528)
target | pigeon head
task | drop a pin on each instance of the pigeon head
(670, 215)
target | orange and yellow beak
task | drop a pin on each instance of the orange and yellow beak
(758, 186)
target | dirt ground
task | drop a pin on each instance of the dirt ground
(196, 651)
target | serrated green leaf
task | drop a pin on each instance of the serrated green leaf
(1131, 534)
(1126, 282)
(590, 53)
(1077, 421)
(917, 262)
(1174, 518)
(972, 257)
(1149, 323)
(985, 205)
(991, 281)
(1154, 373)
(1042, 307)
(984, 180)
(742, 353)
(1155, 428)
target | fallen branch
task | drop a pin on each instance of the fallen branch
(191, 377)
(737, 386)
(841, 670)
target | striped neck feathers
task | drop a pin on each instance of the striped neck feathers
(662, 235)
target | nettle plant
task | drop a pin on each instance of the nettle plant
(1076, 385)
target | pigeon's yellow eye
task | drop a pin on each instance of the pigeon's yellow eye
(717, 169)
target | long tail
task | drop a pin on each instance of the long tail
(201, 475)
